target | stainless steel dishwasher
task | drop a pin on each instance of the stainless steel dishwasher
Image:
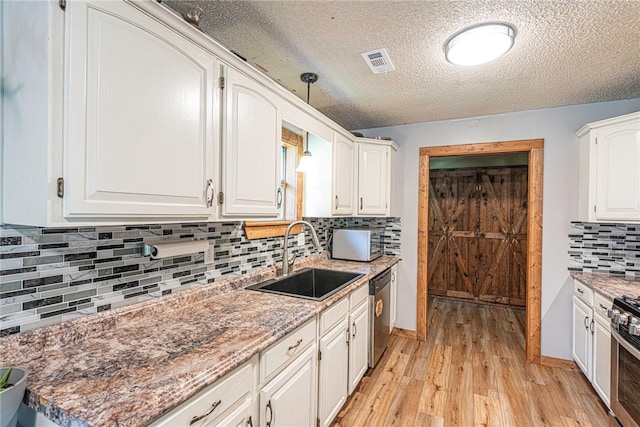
(379, 297)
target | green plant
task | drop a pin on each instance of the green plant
(4, 381)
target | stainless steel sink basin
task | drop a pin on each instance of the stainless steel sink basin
(310, 283)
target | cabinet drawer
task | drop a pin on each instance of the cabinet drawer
(601, 305)
(287, 349)
(333, 315)
(359, 295)
(224, 394)
(583, 292)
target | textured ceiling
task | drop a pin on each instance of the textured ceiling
(565, 53)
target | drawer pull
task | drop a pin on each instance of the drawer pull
(293, 347)
(355, 329)
(581, 291)
(213, 408)
(270, 413)
(250, 422)
(603, 307)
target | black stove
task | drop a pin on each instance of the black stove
(625, 317)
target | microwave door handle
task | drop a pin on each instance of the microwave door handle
(634, 351)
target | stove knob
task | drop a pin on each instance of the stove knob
(616, 317)
(612, 312)
(624, 319)
(634, 329)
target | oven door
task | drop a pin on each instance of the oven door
(625, 380)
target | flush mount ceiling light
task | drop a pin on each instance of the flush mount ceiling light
(305, 163)
(479, 44)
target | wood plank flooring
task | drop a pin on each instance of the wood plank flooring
(471, 371)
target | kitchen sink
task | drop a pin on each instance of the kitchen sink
(310, 283)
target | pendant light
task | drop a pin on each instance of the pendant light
(306, 161)
(480, 43)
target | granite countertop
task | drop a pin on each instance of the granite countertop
(610, 285)
(128, 366)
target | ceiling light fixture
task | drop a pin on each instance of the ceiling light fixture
(305, 163)
(480, 43)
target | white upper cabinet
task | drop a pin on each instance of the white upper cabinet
(374, 179)
(344, 165)
(251, 148)
(122, 118)
(610, 170)
(141, 122)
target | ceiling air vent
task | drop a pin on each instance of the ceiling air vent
(378, 60)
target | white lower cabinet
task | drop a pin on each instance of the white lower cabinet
(602, 348)
(344, 352)
(289, 399)
(229, 401)
(358, 344)
(582, 336)
(393, 301)
(592, 338)
(333, 372)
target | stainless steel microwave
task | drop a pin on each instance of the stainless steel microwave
(357, 244)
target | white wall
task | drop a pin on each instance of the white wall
(560, 199)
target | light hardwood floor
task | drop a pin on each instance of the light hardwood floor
(471, 371)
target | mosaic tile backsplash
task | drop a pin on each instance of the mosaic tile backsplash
(605, 248)
(48, 275)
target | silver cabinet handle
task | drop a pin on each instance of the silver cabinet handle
(270, 413)
(586, 324)
(355, 329)
(346, 332)
(279, 197)
(210, 189)
(591, 327)
(360, 203)
(293, 347)
(336, 202)
(213, 408)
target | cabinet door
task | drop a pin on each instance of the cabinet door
(394, 297)
(290, 398)
(344, 161)
(251, 148)
(141, 121)
(582, 336)
(359, 344)
(333, 372)
(602, 359)
(618, 172)
(373, 173)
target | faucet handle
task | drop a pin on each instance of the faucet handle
(292, 260)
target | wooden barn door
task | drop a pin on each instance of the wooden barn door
(477, 234)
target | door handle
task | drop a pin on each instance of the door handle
(336, 207)
(355, 329)
(360, 203)
(270, 413)
(210, 188)
(279, 197)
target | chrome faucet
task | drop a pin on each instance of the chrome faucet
(286, 262)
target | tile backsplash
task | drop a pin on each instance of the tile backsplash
(605, 248)
(48, 275)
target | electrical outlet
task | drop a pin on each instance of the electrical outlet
(301, 239)
(209, 255)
